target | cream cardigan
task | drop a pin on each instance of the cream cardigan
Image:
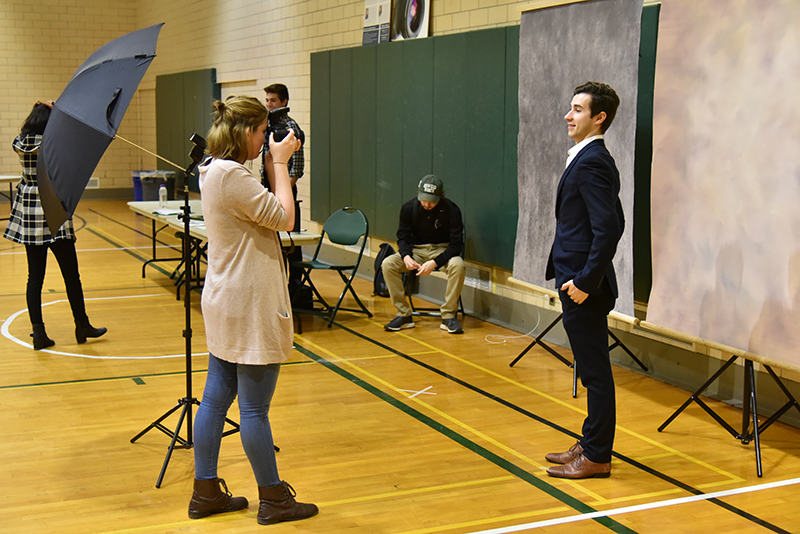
(245, 303)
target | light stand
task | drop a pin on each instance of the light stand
(186, 402)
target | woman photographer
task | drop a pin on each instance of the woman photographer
(27, 226)
(246, 307)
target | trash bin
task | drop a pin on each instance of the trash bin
(176, 178)
(137, 185)
(152, 180)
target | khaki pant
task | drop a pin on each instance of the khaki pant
(394, 267)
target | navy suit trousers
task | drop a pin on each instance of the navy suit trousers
(587, 329)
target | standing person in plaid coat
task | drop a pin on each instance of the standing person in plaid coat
(27, 226)
(278, 97)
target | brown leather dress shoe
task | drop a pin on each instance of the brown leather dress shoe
(565, 457)
(581, 467)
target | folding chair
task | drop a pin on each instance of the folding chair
(411, 286)
(344, 227)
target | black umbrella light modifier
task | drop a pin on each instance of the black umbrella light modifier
(85, 119)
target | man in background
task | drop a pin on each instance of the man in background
(589, 224)
(430, 236)
(278, 97)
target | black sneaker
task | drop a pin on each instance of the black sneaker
(452, 326)
(398, 323)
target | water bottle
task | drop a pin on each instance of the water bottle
(162, 196)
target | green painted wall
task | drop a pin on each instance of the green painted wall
(183, 107)
(384, 116)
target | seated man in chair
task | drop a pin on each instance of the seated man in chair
(430, 237)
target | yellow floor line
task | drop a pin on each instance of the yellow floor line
(418, 491)
(575, 484)
(491, 520)
(731, 477)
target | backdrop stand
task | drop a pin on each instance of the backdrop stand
(749, 407)
(539, 340)
(185, 404)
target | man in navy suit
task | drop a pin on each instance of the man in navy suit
(589, 224)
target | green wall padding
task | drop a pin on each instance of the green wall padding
(183, 107)
(389, 114)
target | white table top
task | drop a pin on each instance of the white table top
(148, 207)
(197, 229)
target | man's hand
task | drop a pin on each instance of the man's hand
(426, 268)
(574, 293)
(411, 265)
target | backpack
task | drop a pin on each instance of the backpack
(379, 283)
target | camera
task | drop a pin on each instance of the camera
(278, 124)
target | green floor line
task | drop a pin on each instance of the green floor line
(136, 378)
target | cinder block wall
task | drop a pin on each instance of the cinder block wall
(251, 43)
(41, 46)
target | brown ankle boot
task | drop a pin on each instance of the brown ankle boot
(278, 504)
(208, 499)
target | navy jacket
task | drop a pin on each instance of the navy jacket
(589, 221)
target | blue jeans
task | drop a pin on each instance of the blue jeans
(255, 385)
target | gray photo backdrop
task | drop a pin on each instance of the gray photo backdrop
(560, 48)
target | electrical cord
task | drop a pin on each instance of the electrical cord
(506, 338)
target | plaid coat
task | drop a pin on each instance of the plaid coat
(27, 225)
(297, 160)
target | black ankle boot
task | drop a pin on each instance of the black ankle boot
(83, 330)
(40, 339)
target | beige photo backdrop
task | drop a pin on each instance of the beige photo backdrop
(726, 174)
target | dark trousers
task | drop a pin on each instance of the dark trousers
(67, 258)
(295, 273)
(587, 328)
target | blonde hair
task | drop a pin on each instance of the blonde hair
(227, 137)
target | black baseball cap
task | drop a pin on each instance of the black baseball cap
(430, 189)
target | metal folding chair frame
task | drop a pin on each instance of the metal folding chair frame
(347, 227)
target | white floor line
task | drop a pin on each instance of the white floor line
(415, 393)
(7, 335)
(640, 507)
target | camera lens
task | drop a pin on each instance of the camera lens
(409, 14)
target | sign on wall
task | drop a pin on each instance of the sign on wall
(377, 16)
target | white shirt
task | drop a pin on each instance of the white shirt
(574, 151)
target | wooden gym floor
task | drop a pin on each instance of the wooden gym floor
(399, 433)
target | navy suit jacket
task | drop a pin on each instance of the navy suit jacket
(589, 222)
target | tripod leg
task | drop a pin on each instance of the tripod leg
(620, 344)
(543, 345)
(754, 407)
(696, 394)
(747, 405)
(524, 352)
(171, 447)
(157, 422)
(574, 380)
